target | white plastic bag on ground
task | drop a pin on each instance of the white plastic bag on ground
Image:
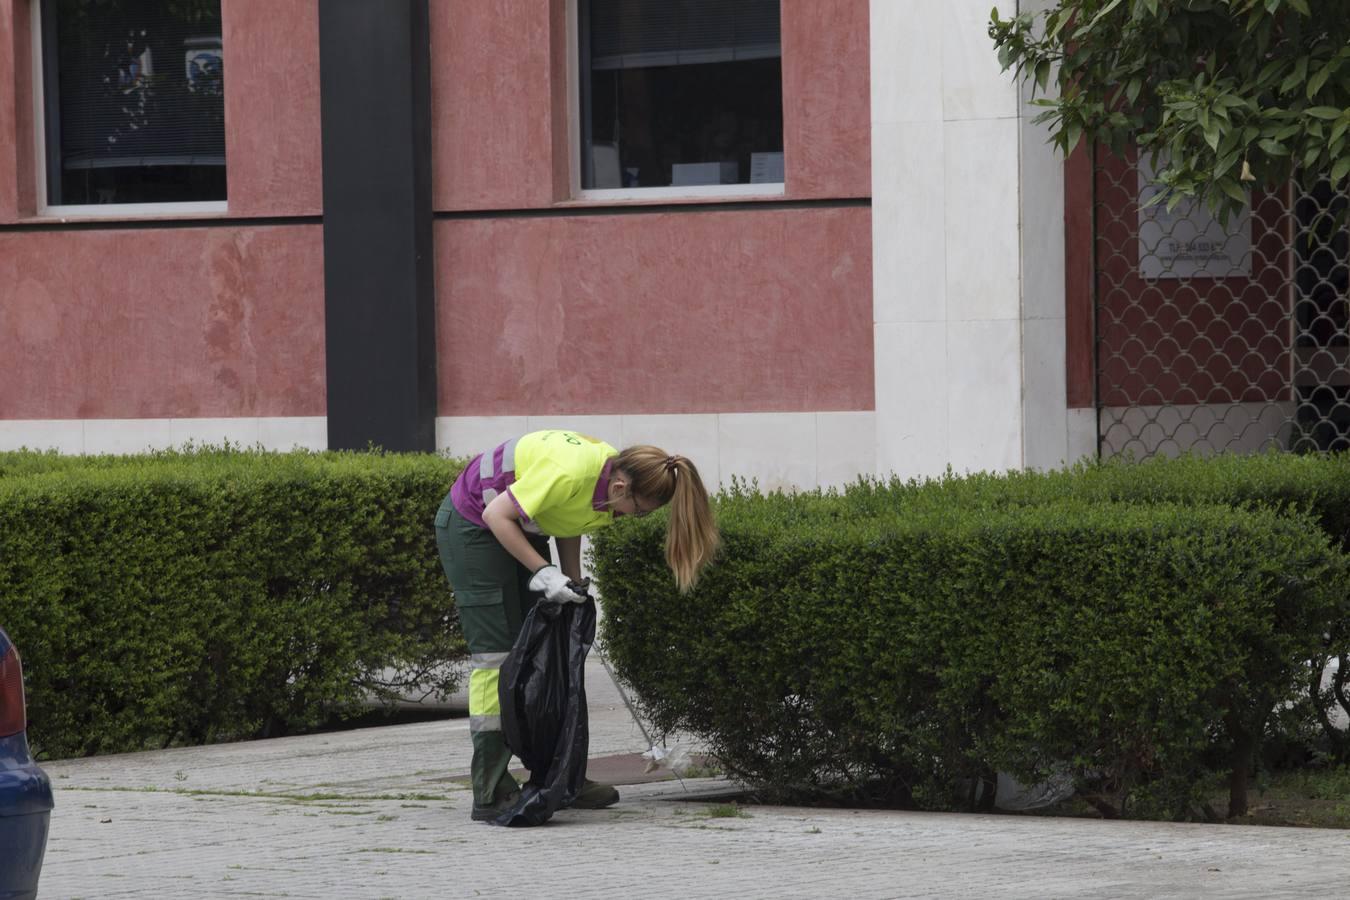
(676, 758)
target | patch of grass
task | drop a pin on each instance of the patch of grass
(1309, 798)
(704, 769)
(726, 811)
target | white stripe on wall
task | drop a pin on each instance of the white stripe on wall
(779, 450)
(139, 435)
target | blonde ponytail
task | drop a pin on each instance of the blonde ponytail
(691, 538)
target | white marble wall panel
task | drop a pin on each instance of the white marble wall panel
(909, 210)
(984, 383)
(912, 388)
(905, 50)
(973, 85)
(778, 450)
(471, 435)
(62, 435)
(1082, 434)
(242, 431)
(96, 436)
(963, 199)
(293, 432)
(127, 435)
(983, 265)
(846, 447)
(1045, 414)
(1042, 178)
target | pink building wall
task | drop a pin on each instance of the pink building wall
(665, 313)
(695, 309)
(272, 148)
(162, 323)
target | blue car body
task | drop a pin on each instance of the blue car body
(25, 806)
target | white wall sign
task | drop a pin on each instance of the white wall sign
(1189, 241)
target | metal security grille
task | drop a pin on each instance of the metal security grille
(1213, 337)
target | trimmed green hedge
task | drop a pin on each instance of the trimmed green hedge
(1318, 484)
(905, 641)
(214, 593)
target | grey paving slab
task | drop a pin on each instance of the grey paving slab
(379, 813)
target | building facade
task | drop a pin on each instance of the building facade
(795, 240)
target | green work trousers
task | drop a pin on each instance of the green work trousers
(492, 597)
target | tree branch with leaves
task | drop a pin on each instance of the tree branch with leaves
(1221, 94)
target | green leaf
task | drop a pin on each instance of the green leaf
(1338, 130)
(1212, 134)
(1073, 132)
(1043, 73)
(1301, 6)
(1325, 112)
(1274, 148)
(1315, 83)
(1339, 170)
(1101, 15)
(1268, 72)
(1296, 77)
(1132, 90)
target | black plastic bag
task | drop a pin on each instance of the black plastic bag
(542, 688)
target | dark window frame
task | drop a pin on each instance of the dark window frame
(585, 138)
(53, 151)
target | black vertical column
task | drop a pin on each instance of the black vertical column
(379, 292)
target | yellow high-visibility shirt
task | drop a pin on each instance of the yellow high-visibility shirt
(561, 482)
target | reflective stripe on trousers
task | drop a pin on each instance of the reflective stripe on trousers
(485, 710)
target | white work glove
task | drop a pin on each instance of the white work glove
(554, 585)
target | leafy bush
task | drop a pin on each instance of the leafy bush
(893, 646)
(213, 593)
(1317, 484)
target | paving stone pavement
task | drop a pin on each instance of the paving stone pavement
(383, 812)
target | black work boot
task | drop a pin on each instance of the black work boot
(594, 795)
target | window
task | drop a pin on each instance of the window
(133, 101)
(680, 93)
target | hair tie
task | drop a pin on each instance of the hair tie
(671, 462)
